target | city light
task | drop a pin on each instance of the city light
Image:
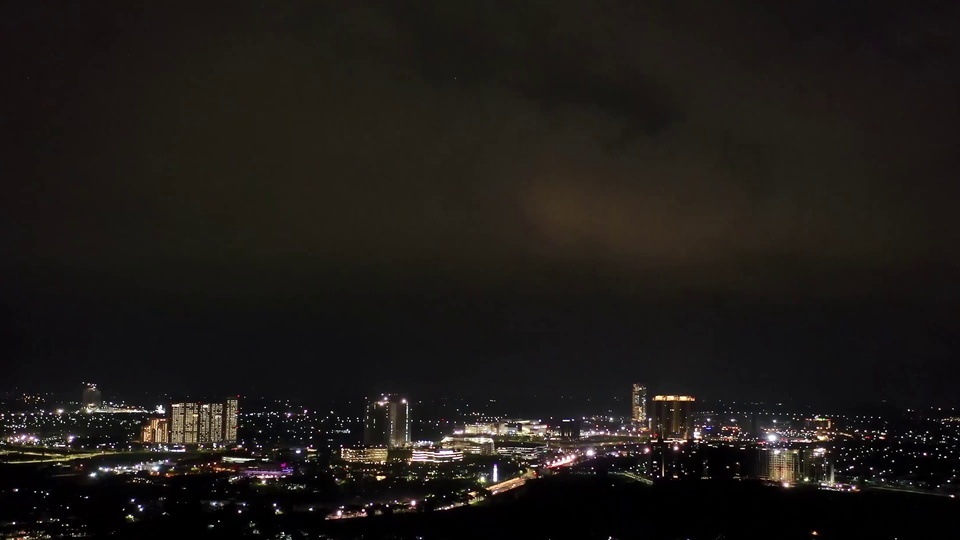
(806, 453)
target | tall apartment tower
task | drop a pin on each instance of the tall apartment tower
(638, 405)
(230, 414)
(204, 423)
(155, 431)
(184, 423)
(673, 417)
(387, 422)
(211, 423)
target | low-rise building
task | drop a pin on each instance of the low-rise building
(364, 454)
(480, 446)
(436, 455)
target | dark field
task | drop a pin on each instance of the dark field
(601, 508)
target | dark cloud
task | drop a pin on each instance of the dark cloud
(550, 55)
(291, 167)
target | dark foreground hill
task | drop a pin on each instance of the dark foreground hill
(591, 507)
(598, 507)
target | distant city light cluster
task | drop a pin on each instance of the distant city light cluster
(279, 447)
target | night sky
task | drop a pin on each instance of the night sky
(315, 199)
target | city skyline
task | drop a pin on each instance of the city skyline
(378, 270)
(574, 400)
(379, 430)
(292, 468)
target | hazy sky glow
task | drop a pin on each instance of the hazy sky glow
(727, 199)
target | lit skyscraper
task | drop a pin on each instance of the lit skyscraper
(672, 417)
(204, 423)
(231, 412)
(211, 423)
(387, 422)
(184, 423)
(783, 465)
(638, 405)
(155, 431)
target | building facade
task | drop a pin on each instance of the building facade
(204, 423)
(184, 423)
(565, 428)
(231, 420)
(156, 431)
(364, 454)
(387, 422)
(672, 417)
(436, 455)
(480, 446)
(210, 423)
(796, 465)
(638, 405)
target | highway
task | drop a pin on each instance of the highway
(915, 491)
(512, 483)
(43, 455)
(635, 477)
(564, 461)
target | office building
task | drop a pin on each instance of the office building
(672, 417)
(436, 455)
(364, 454)
(523, 451)
(485, 428)
(204, 423)
(533, 428)
(387, 422)
(155, 431)
(638, 405)
(566, 428)
(92, 398)
(819, 424)
(480, 446)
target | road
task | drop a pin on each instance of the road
(47, 455)
(512, 483)
(56, 459)
(635, 477)
(53, 455)
(915, 491)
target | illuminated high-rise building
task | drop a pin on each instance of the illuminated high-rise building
(672, 417)
(230, 414)
(638, 405)
(816, 466)
(796, 465)
(211, 423)
(92, 398)
(783, 465)
(204, 423)
(184, 423)
(387, 422)
(156, 431)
